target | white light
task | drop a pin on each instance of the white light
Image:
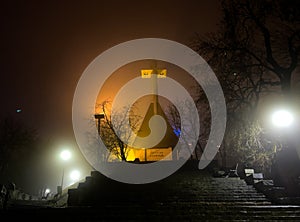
(282, 118)
(65, 155)
(47, 191)
(75, 175)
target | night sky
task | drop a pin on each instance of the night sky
(46, 46)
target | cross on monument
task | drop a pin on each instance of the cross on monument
(154, 74)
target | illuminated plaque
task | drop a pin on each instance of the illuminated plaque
(146, 73)
(156, 154)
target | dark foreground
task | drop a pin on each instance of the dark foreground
(188, 195)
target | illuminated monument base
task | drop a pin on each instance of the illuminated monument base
(162, 151)
(150, 154)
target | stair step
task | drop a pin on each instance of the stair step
(191, 195)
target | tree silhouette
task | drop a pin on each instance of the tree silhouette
(260, 39)
(255, 52)
(16, 142)
(188, 134)
(109, 132)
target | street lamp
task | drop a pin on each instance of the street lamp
(65, 155)
(282, 119)
(286, 169)
(99, 117)
(47, 191)
(75, 175)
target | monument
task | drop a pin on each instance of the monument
(164, 148)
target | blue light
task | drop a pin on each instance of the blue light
(177, 132)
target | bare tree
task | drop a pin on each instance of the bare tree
(255, 52)
(109, 132)
(187, 130)
(260, 38)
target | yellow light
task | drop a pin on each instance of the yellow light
(161, 73)
(146, 73)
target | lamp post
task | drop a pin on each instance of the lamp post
(98, 117)
(65, 155)
(286, 170)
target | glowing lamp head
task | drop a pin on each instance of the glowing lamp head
(75, 175)
(282, 118)
(65, 155)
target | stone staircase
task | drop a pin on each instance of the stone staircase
(187, 195)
